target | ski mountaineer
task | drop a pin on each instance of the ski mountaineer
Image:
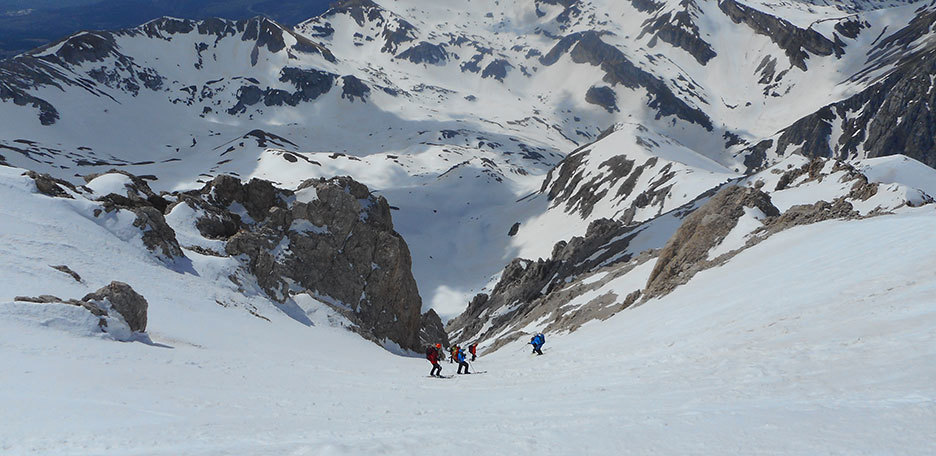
(462, 363)
(473, 349)
(453, 352)
(537, 342)
(432, 354)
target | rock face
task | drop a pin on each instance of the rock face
(602, 96)
(705, 228)
(123, 299)
(530, 290)
(892, 116)
(425, 52)
(588, 47)
(676, 28)
(797, 43)
(332, 239)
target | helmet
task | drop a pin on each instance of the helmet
(438, 345)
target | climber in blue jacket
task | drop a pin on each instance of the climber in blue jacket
(462, 363)
(537, 342)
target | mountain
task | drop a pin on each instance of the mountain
(239, 236)
(26, 24)
(455, 120)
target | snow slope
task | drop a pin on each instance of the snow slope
(833, 356)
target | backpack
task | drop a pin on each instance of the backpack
(542, 338)
(429, 352)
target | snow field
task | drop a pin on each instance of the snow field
(817, 341)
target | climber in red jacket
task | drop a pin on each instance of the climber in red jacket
(432, 354)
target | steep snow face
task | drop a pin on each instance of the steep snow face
(461, 108)
(754, 355)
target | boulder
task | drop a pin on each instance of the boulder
(122, 298)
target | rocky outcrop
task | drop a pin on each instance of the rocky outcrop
(533, 290)
(425, 52)
(121, 298)
(115, 298)
(497, 69)
(309, 84)
(805, 214)
(796, 42)
(676, 28)
(686, 252)
(892, 116)
(148, 207)
(353, 87)
(431, 330)
(602, 96)
(50, 186)
(332, 239)
(587, 47)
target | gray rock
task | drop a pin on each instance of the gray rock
(891, 116)
(676, 28)
(425, 52)
(353, 87)
(587, 47)
(339, 246)
(602, 96)
(49, 185)
(123, 299)
(497, 69)
(795, 41)
(432, 331)
(67, 270)
(686, 252)
(148, 207)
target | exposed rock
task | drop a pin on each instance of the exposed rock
(862, 189)
(431, 330)
(309, 84)
(796, 42)
(813, 170)
(41, 299)
(148, 207)
(686, 252)
(676, 28)
(353, 87)
(587, 47)
(67, 270)
(117, 296)
(123, 299)
(330, 238)
(158, 236)
(95, 310)
(602, 96)
(51, 186)
(497, 69)
(514, 229)
(425, 52)
(805, 214)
